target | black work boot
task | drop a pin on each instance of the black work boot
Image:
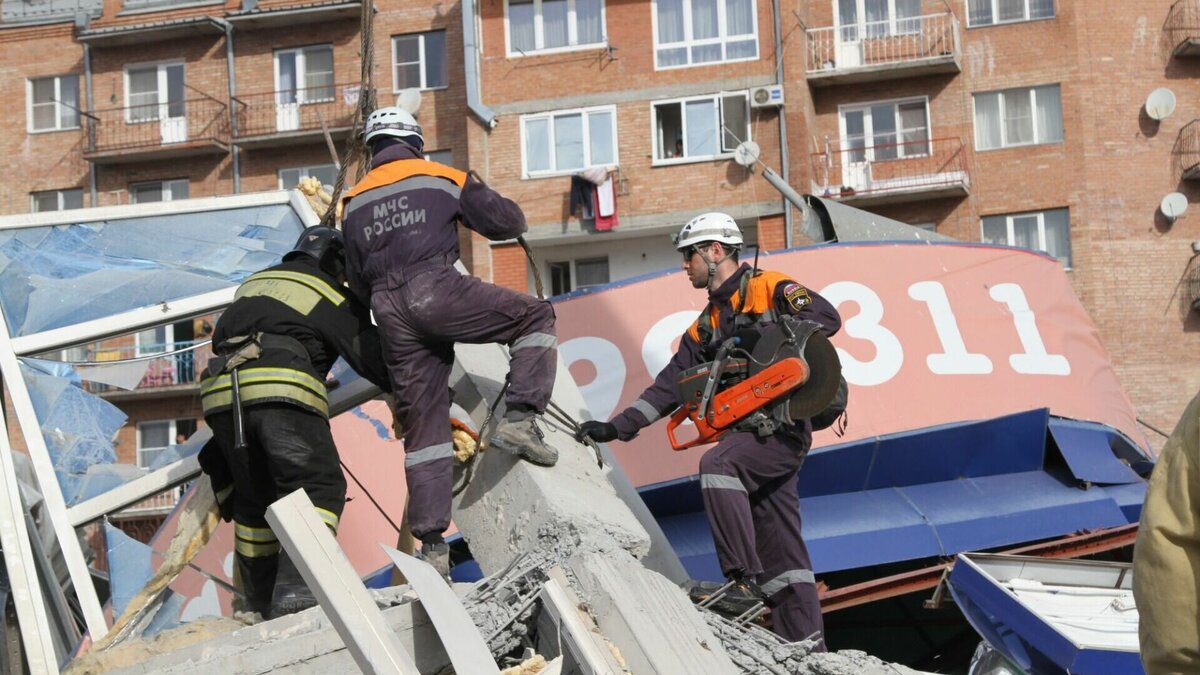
(437, 555)
(519, 434)
(291, 594)
(740, 596)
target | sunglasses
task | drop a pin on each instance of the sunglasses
(690, 251)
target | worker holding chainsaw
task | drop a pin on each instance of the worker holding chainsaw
(770, 333)
(401, 231)
(264, 395)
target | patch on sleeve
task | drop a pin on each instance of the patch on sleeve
(797, 296)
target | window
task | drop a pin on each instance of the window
(157, 437)
(567, 141)
(326, 173)
(1047, 231)
(441, 157)
(1004, 119)
(56, 200)
(695, 32)
(700, 128)
(158, 191)
(304, 75)
(988, 12)
(888, 130)
(587, 272)
(53, 103)
(419, 60)
(873, 19)
(543, 25)
(154, 92)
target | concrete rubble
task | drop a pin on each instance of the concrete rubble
(575, 567)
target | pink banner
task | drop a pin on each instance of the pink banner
(931, 334)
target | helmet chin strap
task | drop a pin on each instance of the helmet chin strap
(712, 267)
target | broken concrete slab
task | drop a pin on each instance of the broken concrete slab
(565, 628)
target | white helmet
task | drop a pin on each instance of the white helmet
(392, 121)
(706, 227)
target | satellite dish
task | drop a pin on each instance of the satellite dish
(746, 153)
(1160, 104)
(410, 100)
(1173, 205)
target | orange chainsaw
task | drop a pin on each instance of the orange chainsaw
(791, 373)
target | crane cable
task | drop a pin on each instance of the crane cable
(356, 150)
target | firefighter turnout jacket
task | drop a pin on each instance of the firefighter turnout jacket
(751, 295)
(306, 320)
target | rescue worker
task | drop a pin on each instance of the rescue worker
(748, 482)
(264, 395)
(1166, 556)
(402, 244)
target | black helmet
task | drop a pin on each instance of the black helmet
(324, 245)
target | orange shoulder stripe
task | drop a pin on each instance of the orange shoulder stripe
(393, 172)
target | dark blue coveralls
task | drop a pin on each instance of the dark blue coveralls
(401, 245)
(749, 484)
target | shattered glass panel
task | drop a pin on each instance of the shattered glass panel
(55, 276)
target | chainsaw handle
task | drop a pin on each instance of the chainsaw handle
(704, 433)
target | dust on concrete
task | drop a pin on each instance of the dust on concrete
(136, 651)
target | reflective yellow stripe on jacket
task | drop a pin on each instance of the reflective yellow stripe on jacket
(299, 291)
(258, 384)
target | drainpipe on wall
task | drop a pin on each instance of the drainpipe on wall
(471, 63)
(87, 89)
(233, 128)
(783, 143)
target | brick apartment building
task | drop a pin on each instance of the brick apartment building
(1008, 121)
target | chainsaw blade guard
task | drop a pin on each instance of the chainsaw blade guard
(809, 344)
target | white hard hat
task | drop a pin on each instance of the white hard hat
(707, 227)
(391, 121)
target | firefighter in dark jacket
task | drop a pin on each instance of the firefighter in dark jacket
(264, 395)
(401, 247)
(748, 482)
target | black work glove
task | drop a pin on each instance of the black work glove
(601, 432)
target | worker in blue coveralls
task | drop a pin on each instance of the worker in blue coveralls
(401, 245)
(748, 482)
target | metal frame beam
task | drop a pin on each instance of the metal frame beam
(314, 551)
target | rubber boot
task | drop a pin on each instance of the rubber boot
(291, 594)
(519, 434)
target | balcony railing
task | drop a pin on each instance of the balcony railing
(281, 116)
(181, 128)
(891, 172)
(877, 50)
(182, 367)
(1181, 30)
(1186, 153)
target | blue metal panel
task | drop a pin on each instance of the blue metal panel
(1088, 451)
(860, 529)
(1128, 497)
(837, 469)
(983, 513)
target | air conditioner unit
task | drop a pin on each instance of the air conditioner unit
(770, 96)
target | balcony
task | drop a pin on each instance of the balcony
(252, 17)
(883, 50)
(179, 370)
(1186, 153)
(891, 173)
(180, 128)
(1182, 28)
(277, 118)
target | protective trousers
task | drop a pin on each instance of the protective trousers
(420, 320)
(749, 489)
(287, 448)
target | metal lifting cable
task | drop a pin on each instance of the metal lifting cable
(356, 151)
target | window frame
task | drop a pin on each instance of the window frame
(550, 115)
(421, 61)
(57, 101)
(996, 13)
(1004, 145)
(302, 169)
(689, 42)
(539, 35)
(1040, 214)
(682, 101)
(302, 73)
(895, 103)
(59, 198)
(163, 184)
(863, 32)
(162, 90)
(570, 266)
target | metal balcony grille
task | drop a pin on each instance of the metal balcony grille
(873, 44)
